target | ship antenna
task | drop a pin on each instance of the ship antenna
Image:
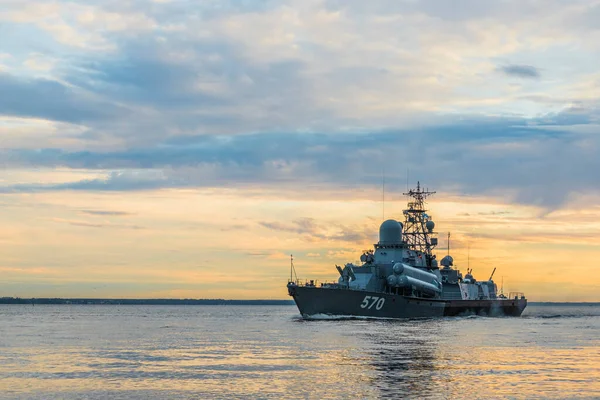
(383, 195)
(448, 243)
(468, 254)
(292, 269)
(407, 180)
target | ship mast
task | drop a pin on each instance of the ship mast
(418, 226)
(292, 269)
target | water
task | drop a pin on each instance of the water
(159, 352)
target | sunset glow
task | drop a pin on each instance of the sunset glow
(179, 150)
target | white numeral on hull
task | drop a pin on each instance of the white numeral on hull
(370, 301)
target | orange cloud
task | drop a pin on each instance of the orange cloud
(222, 243)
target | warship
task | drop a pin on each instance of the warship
(401, 278)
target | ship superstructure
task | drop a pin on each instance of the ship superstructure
(401, 277)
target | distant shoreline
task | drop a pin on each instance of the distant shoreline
(167, 302)
(161, 302)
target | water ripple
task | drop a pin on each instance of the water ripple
(269, 352)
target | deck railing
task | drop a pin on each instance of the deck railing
(305, 282)
(516, 295)
(311, 282)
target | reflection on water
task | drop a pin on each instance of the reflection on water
(400, 355)
(267, 352)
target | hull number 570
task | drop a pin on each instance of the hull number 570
(370, 301)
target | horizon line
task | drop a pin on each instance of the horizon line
(21, 300)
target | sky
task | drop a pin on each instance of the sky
(185, 149)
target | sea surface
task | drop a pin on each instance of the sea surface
(205, 352)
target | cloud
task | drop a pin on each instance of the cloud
(114, 181)
(507, 156)
(89, 224)
(312, 231)
(47, 99)
(143, 76)
(106, 213)
(294, 99)
(476, 156)
(520, 71)
(248, 94)
(490, 213)
(264, 67)
(254, 150)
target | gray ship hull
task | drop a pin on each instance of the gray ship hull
(315, 301)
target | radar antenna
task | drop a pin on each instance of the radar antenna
(416, 232)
